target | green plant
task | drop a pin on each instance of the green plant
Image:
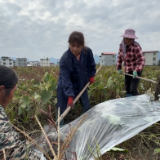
(96, 155)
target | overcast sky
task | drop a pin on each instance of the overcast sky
(37, 29)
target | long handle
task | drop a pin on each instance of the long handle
(75, 100)
(149, 80)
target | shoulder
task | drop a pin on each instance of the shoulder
(86, 49)
(136, 48)
(136, 45)
(3, 116)
(87, 52)
(4, 121)
(65, 54)
(66, 58)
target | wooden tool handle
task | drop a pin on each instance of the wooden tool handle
(149, 80)
(75, 100)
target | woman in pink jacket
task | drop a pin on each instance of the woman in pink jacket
(130, 52)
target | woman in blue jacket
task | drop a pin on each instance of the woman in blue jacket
(77, 67)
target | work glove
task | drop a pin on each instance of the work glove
(70, 102)
(91, 80)
(119, 71)
(135, 74)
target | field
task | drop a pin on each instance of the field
(37, 90)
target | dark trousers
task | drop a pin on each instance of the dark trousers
(62, 100)
(131, 83)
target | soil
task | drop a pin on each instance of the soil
(138, 149)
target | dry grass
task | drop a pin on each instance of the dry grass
(61, 148)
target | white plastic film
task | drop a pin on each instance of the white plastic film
(109, 124)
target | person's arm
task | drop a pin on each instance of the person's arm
(15, 149)
(119, 60)
(140, 59)
(92, 65)
(66, 80)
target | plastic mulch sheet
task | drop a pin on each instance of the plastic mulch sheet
(109, 124)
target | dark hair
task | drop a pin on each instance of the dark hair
(76, 37)
(8, 78)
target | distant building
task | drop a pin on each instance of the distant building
(33, 63)
(29, 65)
(151, 57)
(7, 61)
(37, 63)
(14, 62)
(51, 64)
(45, 62)
(107, 59)
(21, 62)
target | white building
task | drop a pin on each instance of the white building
(14, 62)
(107, 59)
(151, 57)
(45, 62)
(21, 62)
(33, 63)
(6, 61)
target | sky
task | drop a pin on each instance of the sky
(36, 29)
